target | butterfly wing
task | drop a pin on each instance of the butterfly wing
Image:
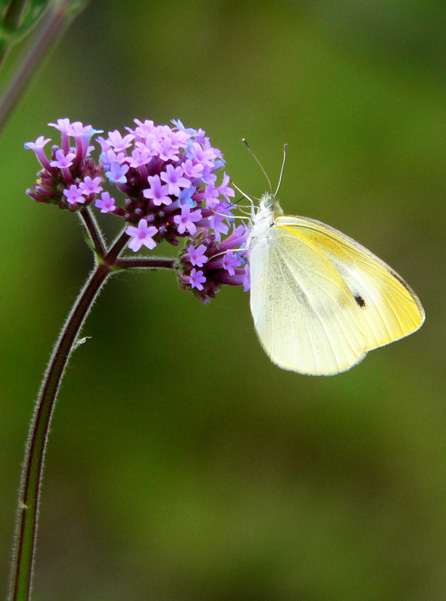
(389, 307)
(304, 313)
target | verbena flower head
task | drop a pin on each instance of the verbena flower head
(173, 187)
(70, 179)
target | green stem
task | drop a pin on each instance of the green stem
(13, 14)
(33, 466)
(54, 22)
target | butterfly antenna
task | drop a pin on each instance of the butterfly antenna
(285, 150)
(258, 163)
(240, 191)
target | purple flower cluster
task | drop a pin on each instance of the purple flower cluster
(207, 263)
(169, 177)
(70, 179)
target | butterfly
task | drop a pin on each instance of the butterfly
(319, 300)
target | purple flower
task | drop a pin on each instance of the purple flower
(74, 195)
(173, 176)
(186, 221)
(186, 195)
(230, 260)
(224, 188)
(63, 125)
(166, 150)
(218, 225)
(191, 169)
(106, 203)
(63, 161)
(197, 279)
(144, 129)
(116, 173)
(157, 191)
(141, 235)
(118, 142)
(78, 130)
(38, 144)
(211, 194)
(188, 130)
(220, 262)
(91, 186)
(196, 255)
(205, 156)
(141, 155)
(169, 176)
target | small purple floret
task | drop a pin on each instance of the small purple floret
(141, 235)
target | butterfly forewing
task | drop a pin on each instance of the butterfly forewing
(304, 313)
(390, 308)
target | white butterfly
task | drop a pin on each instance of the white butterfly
(320, 301)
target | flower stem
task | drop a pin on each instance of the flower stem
(54, 22)
(33, 465)
(94, 235)
(146, 263)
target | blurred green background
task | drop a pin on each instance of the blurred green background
(182, 464)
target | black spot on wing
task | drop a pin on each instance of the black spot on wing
(359, 301)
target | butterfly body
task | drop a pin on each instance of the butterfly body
(320, 301)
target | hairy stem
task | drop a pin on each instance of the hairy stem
(146, 263)
(26, 531)
(38, 434)
(93, 230)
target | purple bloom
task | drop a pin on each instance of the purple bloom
(186, 221)
(230, 261)
(91, 186)
(141, 155)
(74, 195)
(106, 203)
(173, 176)
(63, 161)
(191, 169)
(166, 150)
(201, 155)
(211, 194)
(169, 176)
(144, 129)
(37, 146)
(78, 130)
(39, 143)
(185, 196)
(118, 142)
(224, 188)
(141, 235)
(197, 256)
(63, 125)
(220, 262)
(157, 191)
(116, 173)
(218, 225)
(197, 279)
(188, 130)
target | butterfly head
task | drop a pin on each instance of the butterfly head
(269, 205)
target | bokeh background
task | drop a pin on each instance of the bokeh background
(182, 464)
